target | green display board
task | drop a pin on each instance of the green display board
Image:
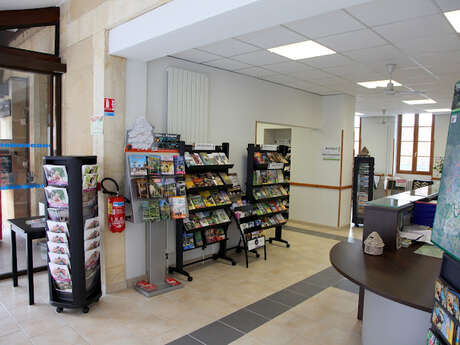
(446, 227)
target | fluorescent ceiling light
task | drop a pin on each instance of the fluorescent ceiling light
(454, 18)
(302, 50)
(377, 83)
(358, 114)
(440, 110)
(420, 101)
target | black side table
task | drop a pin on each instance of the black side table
(19, 226)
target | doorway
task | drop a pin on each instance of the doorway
(26, 135)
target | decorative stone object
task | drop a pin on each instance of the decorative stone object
(373, 245)
(364, 152)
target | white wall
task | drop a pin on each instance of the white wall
(236, 102)
(378, 134)
(379, 137)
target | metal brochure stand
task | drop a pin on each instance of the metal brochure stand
(155, 232)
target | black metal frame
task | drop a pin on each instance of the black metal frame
(356, 219)
(251, 166)
(180, 229)
(79, 298)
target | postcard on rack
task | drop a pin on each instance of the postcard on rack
(92, 244)
(57, 237)
(59, 259)
(167, 166)
(179, 165)
(90, 234)
(92, 223)
(58, 214)
(440, 292)
(58, 248)
(61, 276)
(154, 164)
(90, 181)
(57, 227)
(57, 197)
(453, 303)
(56, 175)
(92, 258)
(89, 169)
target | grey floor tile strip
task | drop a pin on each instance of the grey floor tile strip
(237, 324)
(315, 233)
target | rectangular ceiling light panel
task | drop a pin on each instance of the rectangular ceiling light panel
(377, 83)
(420, 101)
(454, 19)
(439, 110)
(302, 50)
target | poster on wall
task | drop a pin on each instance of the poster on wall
(109, 106)
(331, 153)
(97, 124)
(446, 227)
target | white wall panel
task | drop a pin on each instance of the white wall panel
(188, 105)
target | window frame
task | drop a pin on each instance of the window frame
(414, 171)
(360, 134)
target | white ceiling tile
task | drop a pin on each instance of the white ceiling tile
(288, 67)
(273, 37)
(325, 25)
(196, 56)
(311, 74)
(279, 78)
(260, 58)
(428, 26)
(256, 71)
(228, 64)
(389, 11)
(352, 40)
(449, 5)
(434, 58)
(379, 66)
(374, 54)
(355, 72)
(426, 45)
(327, 61)
(229, 47)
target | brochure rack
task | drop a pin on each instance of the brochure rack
(445, 320)
(83, 292)
(181, 231)
(363, 186)
(265, 168)
(156, 227)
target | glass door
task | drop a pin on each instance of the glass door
(26, 135)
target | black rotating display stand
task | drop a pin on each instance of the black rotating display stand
(180, 228)
(363, 186)
(80, 297)
(251, 167)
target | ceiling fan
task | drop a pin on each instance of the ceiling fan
(390, 88)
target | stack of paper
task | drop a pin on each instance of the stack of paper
(141, 136)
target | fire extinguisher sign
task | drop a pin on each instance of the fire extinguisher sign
(109, 106)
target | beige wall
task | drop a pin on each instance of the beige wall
(92, 75)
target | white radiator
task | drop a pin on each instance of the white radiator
(188, 105)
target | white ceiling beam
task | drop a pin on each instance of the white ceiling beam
(183, 24)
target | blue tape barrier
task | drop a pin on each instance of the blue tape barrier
(23, 146)
(22, 186)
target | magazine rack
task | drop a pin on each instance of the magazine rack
(252, 166)
(180, 228)
(450, 277)
(363, 186)
(82, 295)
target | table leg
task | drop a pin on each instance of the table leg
(30, 270)
(14, 258)
(361, 303)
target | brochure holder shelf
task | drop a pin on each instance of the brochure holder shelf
(251, 186)
(181, 230)
(83, 292)
(363, 186)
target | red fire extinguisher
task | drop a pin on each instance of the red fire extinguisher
(115, 207)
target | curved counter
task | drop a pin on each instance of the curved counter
(399, 291)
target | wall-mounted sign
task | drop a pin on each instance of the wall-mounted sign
(97, 124)
(5, 107)
(331, 153)
(109, 106)
(269, 147)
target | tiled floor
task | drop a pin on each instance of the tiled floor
(292, 298)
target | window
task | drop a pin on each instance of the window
(357, 136)
(415, 143)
